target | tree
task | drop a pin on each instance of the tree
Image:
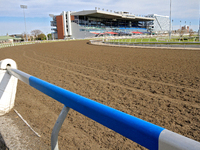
(182, 32)
(191, 32)
(35, 33)
(49, 36)
(41, 37)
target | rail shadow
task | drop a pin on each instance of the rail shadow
(3, 144)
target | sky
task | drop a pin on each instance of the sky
(183, 12)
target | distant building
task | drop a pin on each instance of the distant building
(9, 39)
(89, 23)
(185, 28)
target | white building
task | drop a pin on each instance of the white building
(160, 24)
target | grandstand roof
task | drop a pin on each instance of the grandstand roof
(110, 15)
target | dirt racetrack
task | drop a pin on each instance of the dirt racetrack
(156, 85)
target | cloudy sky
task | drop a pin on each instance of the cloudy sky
(37, 13)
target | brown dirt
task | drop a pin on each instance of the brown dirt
(159, 86)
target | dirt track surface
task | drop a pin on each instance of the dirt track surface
(159, 86)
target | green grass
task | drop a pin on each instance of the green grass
(159, 39)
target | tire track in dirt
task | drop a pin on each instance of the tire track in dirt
(142, 79)
(81, 132)
(174, 92)
(143, 106)
(121, 86)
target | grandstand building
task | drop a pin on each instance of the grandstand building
(91, 23)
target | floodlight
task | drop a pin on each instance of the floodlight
(23, 6)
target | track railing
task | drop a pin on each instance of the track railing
(142, 132)
(144, 40)
(3, 45)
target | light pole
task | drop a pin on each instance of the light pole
(185, 28)
(170, 22)
(199, 29)
(24, 7)
(47, 36)
(199, 22)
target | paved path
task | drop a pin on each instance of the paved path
(15, 134)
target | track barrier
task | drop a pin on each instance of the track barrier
(142, 132)
(3, 45)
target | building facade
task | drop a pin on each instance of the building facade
(90, 23)
(159, 24)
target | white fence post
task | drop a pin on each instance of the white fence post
(8, 86)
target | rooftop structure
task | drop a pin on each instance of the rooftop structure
(8, 39)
